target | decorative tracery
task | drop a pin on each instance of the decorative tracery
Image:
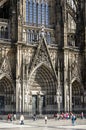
(72, 21)
(37, 12)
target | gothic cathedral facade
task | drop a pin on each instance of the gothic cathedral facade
(42, 56)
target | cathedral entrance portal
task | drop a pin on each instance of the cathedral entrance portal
(7, 103)
(43, 88)
(77, 96)
(38, 104)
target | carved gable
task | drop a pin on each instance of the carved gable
(42, 55)
(5, 67)
(75, 71)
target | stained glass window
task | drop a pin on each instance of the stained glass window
(39, 13)
(31, 11)
(27, 11)
(47, 14)
(34, 12)
(43, 12)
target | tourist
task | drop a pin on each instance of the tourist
(22, 120)
(82, 115)
(73, 118)
(45, 119)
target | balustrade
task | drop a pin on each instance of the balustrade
(32, 34)
(4, 29)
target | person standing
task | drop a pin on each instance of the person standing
(82, 115)
(73, 118)
(45, 119)
(22, 120)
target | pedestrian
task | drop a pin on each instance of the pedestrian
(9, 117)
(14, 116)
(82, 115)
(22, 120)
(34, 117)
(45, 119)
(73, 118)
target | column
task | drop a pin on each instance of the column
(39, 104)
(59, 85)
(65, 78)
(70, 105)
(18, 96)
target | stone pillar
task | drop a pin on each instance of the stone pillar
(18, 96)
(65, 78)
(65, 35)
(19, 61)
(18, 77)
(70, 97)
(39, 104)
(59, 87)
(20, 9)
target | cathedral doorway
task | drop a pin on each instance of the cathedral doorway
(77, 96)
(36, 107)
(7, 96)
(43, 88)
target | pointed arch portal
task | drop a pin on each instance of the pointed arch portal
(7, 95)
(77, 96)
(43, 89)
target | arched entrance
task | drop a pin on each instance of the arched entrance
(7, 96)
(77, 96)
(43, 89)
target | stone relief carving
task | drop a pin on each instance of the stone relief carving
(75, 70)
(6, 67)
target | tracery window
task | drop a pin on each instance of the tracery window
(31, 11)
(27, 11)
(2, 32)
(37, 12)
(34, 11)
(43, 12)
(47, 14)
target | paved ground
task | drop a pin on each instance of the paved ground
(40, 125)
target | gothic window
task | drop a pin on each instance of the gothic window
(34, 11)
(31, 12)
(28, 36)
(43, 12)
(71, 30)
(47, 14)
(6, 32)
(48, 38)
(27, 11)
(39, 13)
(31, 36)
(2, 32)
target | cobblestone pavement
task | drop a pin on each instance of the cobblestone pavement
(40, 125)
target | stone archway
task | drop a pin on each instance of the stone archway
(7, 95)
(77, 96)
(43, 90)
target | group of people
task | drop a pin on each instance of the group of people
(57, 116)
(68, 116)
(11, 117)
